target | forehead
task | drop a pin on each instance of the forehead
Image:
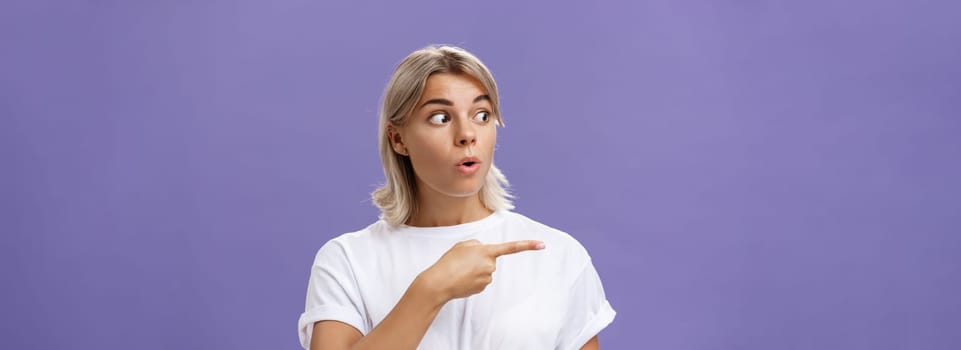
(453, 87)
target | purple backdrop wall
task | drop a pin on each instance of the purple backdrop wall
(746, 174)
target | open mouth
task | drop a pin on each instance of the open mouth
(468, 165)
(468, 161)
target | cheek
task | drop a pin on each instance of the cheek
(428, 148)
(490, 135)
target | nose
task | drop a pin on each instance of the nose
(466, 135)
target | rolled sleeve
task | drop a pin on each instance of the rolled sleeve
(588, 312)
(332, 295)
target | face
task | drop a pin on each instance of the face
(449, 136)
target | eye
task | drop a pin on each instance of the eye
(482, 116)
(438, 118)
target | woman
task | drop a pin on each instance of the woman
(423, 276)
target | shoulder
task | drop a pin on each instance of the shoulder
(344, 246)
(555, 239)
(517, 221)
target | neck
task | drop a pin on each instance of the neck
(435, 209)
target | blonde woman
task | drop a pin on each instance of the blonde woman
(449, 265)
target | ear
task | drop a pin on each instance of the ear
(396, 141)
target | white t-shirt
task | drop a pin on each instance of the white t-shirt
(543, 299)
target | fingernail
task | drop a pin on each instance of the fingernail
(540, 245)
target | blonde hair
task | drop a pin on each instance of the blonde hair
(397, 198)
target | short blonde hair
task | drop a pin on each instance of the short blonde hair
(397, 198)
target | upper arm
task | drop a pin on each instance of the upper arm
(588, 311)
(333, 335)
(332, 295)
(591, 344)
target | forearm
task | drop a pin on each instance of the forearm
(405, 325)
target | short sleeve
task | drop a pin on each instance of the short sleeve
(588, 311)
(332, 293)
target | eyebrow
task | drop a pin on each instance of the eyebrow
(446, 102)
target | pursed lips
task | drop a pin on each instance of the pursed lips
(468, 165)
(468, 161)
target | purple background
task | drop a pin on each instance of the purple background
(746, 174)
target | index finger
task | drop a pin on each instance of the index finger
(514, 247)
